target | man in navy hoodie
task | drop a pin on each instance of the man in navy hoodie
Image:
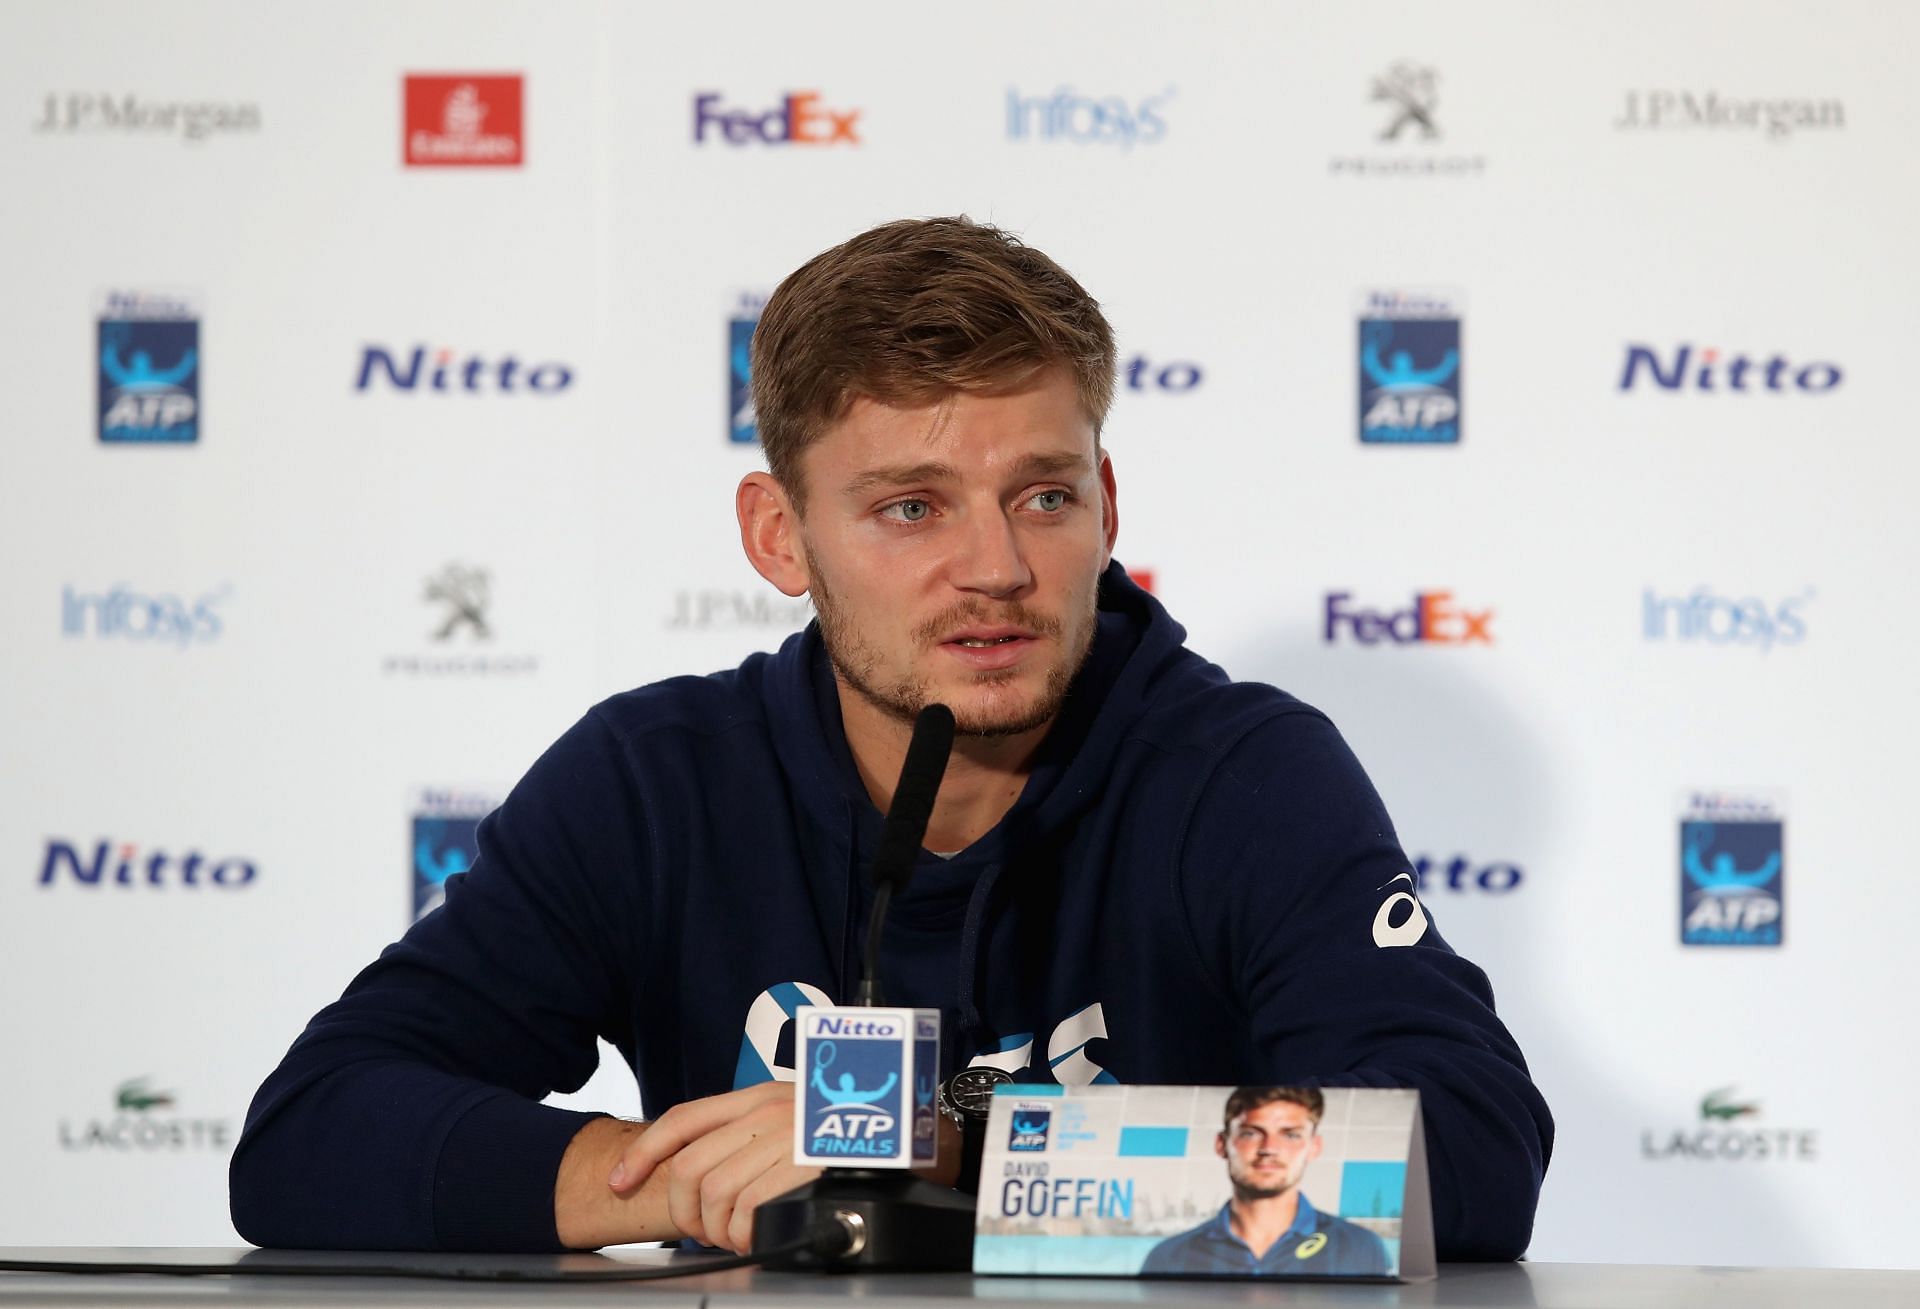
(1137, 870)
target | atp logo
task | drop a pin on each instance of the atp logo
(1027, 1133)
(149, 368)
(1409, 368)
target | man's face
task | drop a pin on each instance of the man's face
(954, 551)
(1268, 1149)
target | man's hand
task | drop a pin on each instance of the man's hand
(721, 1157)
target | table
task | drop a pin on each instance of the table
(1465, 1286)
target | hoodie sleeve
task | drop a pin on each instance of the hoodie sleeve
(1299, 896)
(407, 1116)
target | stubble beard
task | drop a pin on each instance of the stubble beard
(904, 696)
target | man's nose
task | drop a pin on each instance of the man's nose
(989, 558)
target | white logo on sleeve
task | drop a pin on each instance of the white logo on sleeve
(1411, 928)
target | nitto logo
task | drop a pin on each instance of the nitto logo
(128, 615)
(449, 372)
(108, 864)
(1432, 618)
(1721, 620)
(1066, 115)
(1461, 875)
(1706, 370)
(799, 119)
(1143, 374)
(831, 1025)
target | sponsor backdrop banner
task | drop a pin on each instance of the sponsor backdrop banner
(1522, 384)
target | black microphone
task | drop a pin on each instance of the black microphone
(869, 1218)
(904, 830)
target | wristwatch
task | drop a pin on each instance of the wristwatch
(966, 1098)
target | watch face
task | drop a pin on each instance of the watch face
(971, 1089)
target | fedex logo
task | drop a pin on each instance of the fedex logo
(1433, 617)
(799, 119)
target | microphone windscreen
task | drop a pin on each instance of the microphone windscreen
(912, 807)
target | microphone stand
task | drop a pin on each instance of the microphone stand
(866, 1219)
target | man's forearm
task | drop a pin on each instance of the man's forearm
(587, 1213)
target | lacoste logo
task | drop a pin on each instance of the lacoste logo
(135, 1095)
(1718, 1104)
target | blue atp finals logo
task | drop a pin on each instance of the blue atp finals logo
(742, 429)
(1027, 1130)
(446, 841)
(1409, 368)
(853, 1068)
(148, 354)
(1732, 869)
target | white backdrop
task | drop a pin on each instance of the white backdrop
(268, 690)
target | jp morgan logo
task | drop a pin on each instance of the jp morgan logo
(1729, 1131)
(1708, 371)
(1775, 118)
(704, 611)
(798, 119)
(120, 614)
(1703, 616)
(135, 1126)
(460, 598)
(124, 864)
(1732, 869)
(80, 113)
(1408, 135)
(1410, 374)
(1066, 115)
(442, 370)
(463, 121)
(148, 354)
(1433, 617)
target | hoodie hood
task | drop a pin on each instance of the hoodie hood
(1135, 641)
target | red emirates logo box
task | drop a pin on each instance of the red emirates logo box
(463, 120)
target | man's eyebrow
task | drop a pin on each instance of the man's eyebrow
(898, 475)
(1035, 465)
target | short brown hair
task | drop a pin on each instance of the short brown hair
(1246, 1099)
(912, 311)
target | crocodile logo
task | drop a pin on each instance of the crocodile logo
(134, 1095)
(1720, 1105)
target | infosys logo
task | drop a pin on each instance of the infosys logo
(1709, 370)
(120, 613)
(1434, 617)
(1067, 115)
(1705, 616)
(799, 119)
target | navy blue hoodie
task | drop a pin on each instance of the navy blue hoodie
(1197, 885)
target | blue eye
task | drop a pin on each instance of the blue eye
(911, 511)
(1051, 501)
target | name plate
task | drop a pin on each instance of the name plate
(867, 1084)
(1205, 1181)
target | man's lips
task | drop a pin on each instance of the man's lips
(988, 635)
(989, 648)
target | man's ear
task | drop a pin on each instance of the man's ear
(1220, 1144)
(1319, 1143)
(1109, 510)
(770, 532)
